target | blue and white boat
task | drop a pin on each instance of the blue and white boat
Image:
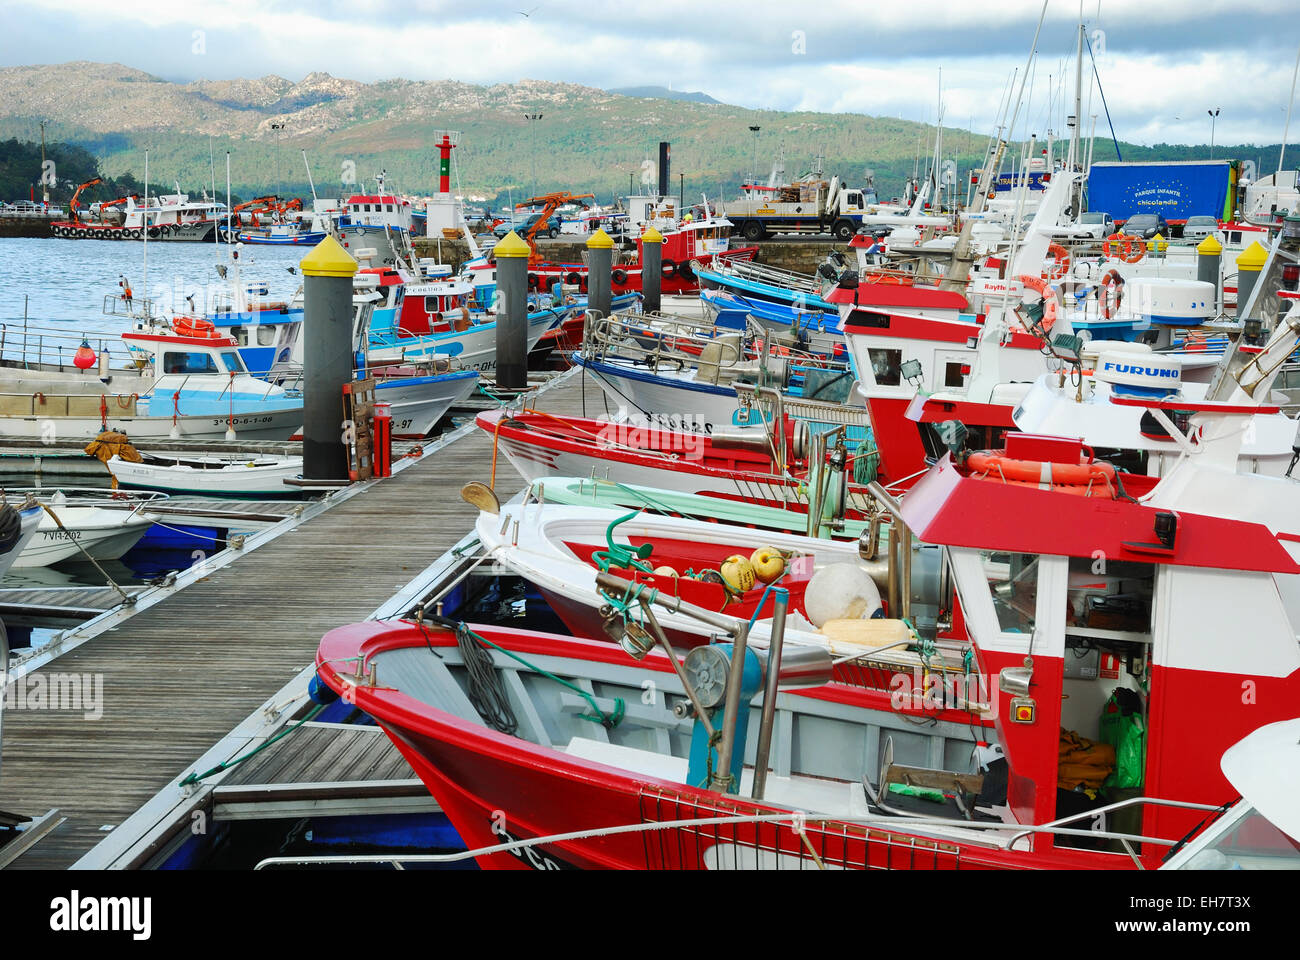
(755, 281)
(817, 331)
(200, 388)
(667, 369)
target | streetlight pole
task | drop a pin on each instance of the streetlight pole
(532, 118)
(681, 194)
(1214, 116)
(753, 163)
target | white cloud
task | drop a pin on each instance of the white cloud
(1163, 65)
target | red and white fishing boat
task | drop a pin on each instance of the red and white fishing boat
(754, 464)
(560, 549)
(592, 774)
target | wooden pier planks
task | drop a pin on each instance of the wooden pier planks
(179, 676)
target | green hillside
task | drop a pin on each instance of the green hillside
(587, 140)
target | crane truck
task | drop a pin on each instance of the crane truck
(810, 206)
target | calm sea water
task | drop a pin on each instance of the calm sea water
(62, 283)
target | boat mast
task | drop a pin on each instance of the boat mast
(145, 234)
(309, 179)
(227, 201)
(1076, 124)
(1289, 104)
(958, 272)
(212, 164)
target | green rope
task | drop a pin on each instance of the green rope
(925, 649)
(195, 778)
(866, 461)
(608, 721)
(621, 556)
(488, 393)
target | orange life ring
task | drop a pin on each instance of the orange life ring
(194, 327)
(1132, 249)
(1051, 300)
(1080, 478)
(1112, 283)
(1060, 262)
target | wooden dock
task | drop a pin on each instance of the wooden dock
(180, 674)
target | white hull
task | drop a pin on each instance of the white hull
(267, 425)
(665, 400)
(257, 476)
(104, 534)
(421, 403)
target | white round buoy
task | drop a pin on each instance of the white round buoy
(840, 591)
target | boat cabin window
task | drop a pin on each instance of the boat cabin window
(886, 366)
(240, 334)
(188, 363)
(1013, 582)
(954, 374)
(934, 438)
(265, 335)
(1109, 598)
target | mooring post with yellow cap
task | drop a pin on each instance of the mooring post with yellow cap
(1209, 257)
(1249, 264)
(600, 268)
(652, 269)
(512, 315)
(327, 358)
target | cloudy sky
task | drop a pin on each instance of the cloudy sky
(1163, 63)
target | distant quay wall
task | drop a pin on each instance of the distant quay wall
(801, 256)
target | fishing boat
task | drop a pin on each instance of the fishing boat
(163, 217)
(817, 331)
(766, 462)
(583, 771)
(203, 390)
(293, 234)
(79, 523)
(256, 475)
(663, 366)
(560, 550)
(1094, 391)
(609, 494)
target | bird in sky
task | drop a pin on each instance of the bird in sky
(530, 12)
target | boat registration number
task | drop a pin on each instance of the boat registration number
(241, 421)
(534, 857)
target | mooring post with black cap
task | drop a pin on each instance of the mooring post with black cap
(327, 359)
(512, 255)
(652, 266)
(600, 269)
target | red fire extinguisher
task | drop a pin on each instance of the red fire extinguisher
(383, 439)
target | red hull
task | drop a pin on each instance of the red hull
(495, 788)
